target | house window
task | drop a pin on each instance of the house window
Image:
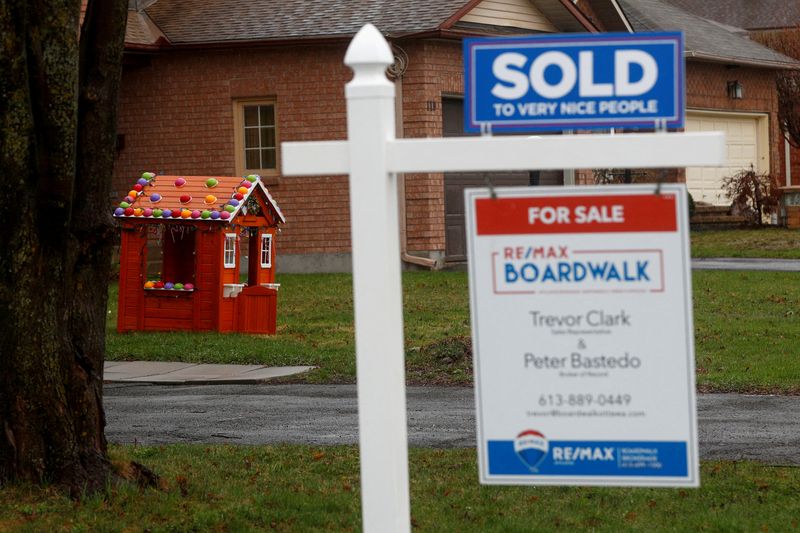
(256, 138)
(266, 250)
(229, 256)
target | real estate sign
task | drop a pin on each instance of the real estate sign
(583, 335)
(557, 82)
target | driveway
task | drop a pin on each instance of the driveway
(731, 426)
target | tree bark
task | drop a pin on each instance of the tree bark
(58, 101)
(788, 84)
(787, 42)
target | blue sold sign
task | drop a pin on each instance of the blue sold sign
(558, 82)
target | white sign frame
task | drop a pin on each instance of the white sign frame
(371, 156)
(492, 397)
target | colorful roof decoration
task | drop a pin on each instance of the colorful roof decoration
(211, 198)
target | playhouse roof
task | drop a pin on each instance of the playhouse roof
(195, 198)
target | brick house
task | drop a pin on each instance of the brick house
(763, 20)
(213, 88)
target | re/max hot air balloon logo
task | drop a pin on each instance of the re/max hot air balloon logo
(531, 448)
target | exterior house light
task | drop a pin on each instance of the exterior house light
(735, 90)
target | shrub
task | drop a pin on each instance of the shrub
(753, 194)
(691, 204)
(612, 176)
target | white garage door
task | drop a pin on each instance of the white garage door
(747, 138)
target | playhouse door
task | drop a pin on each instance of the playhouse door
(257, 310)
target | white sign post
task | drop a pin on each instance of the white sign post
(371, 156)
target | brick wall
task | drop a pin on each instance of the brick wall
(794, 157)
(176, 114)
(706, 88)
(177, 117)
(434, 69)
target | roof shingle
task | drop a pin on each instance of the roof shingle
(140, 30)
(749, 14)
(211, 21)
(704, 39)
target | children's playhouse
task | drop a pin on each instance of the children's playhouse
(181, 255)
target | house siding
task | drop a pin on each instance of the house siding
(514, 13)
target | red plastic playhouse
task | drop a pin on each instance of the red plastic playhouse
(182, 242)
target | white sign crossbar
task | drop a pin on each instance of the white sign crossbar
(634, 150)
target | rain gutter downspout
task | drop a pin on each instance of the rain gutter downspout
(401, 187)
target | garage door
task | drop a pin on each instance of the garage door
(454, 185)
(456, 182)
(747, 138)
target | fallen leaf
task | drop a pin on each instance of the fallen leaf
(183, 485)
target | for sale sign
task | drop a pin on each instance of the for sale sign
(583, 336)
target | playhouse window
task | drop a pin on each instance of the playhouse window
(170, 253)
(266, 250)
(256, 137)
(229, 255)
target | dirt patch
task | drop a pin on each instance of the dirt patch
(444, 362)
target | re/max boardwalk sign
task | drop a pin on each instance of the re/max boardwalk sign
(583, 335)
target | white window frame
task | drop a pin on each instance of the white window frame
(229, 252)
(266, 246)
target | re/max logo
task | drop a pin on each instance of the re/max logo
(582, 453)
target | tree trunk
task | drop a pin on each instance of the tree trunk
(58, 111)
(788, 84)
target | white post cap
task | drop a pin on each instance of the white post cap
(368, 56)
(368, 47)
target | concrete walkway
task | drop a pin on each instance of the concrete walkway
(742, 263)
(182, 373)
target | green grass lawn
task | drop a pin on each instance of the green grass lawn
(747, 330)
(300, 488)
(315, 327)
(773, 242)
